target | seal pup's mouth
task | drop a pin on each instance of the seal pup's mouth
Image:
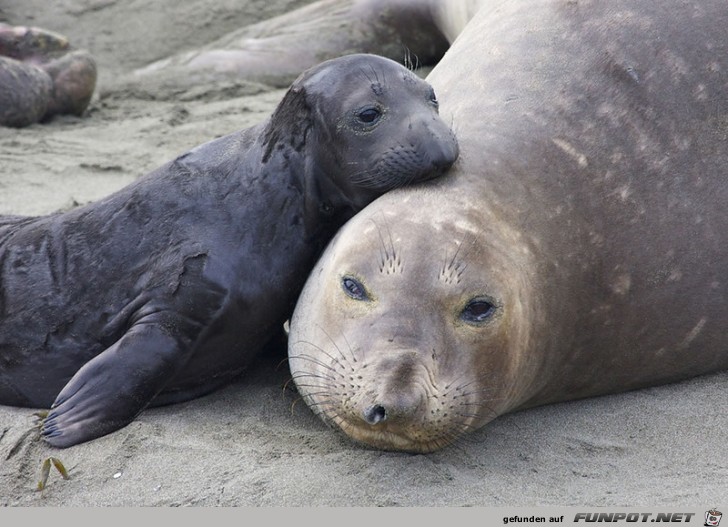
(408, 164)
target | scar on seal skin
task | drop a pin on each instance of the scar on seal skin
(41, 76)
(168, 288)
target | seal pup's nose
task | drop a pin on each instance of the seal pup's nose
(444, 158)
(444, 150)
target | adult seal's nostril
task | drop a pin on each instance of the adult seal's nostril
(375, 414)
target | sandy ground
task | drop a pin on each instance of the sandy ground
(250, 443)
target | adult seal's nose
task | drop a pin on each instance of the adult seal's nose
(375, 414)
(399, 402)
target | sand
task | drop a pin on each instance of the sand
(252, 443)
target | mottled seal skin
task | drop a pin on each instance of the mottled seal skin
(168, 288)
(41, 76)
(577, 248)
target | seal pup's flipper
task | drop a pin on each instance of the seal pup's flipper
(110, 390)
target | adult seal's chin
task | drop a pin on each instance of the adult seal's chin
(396, 440)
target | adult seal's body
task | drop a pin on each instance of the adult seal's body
(275, 51)
(578, 246)
(41, 76)
(166, 289)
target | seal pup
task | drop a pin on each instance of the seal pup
(166, 289)
(42, 76)
(578, 247)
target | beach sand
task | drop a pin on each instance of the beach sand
(253, 443)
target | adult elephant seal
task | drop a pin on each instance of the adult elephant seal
(275, 51)
(41, 76)
(166, 289)
(578, 246)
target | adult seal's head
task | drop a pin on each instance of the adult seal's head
(374, 126)
(408, 349)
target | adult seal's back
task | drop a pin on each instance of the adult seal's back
(166, 289)
(276, 50)
(578, 247)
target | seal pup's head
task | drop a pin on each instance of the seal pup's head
(365, 125)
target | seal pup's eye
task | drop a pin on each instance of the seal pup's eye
(433, 98)
(326, 208)
(477, 311)
(353, 288)
(369, 115)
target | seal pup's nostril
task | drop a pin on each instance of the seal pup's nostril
(444, 162)
(375, 414)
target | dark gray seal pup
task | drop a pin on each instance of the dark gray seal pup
(42, 76)
(167, 289)
(578, 247)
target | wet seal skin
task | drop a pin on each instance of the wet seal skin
(166, 289)
(576, 248)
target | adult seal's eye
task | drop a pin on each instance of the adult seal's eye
(369, 115)
(477, 311)
(353, 288)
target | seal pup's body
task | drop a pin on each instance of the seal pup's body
(168, 288)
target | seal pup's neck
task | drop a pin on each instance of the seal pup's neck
(286, 145)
